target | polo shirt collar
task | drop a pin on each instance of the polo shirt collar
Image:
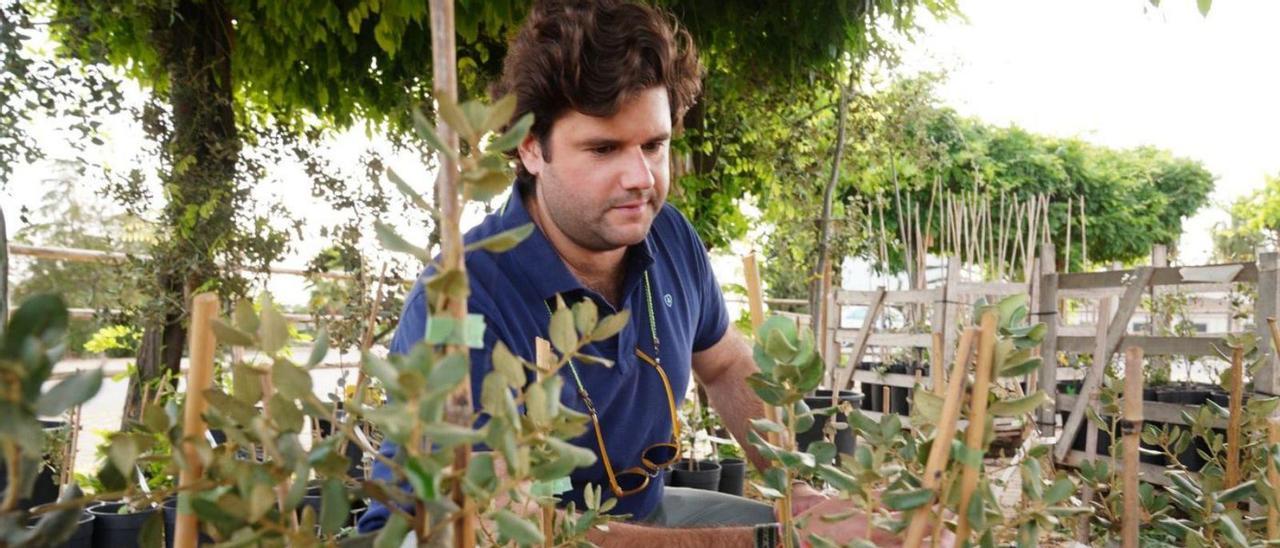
(543, 267)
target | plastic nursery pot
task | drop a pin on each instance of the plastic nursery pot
(706, 477)
(83, 535)
(112, 529)
(821, 399)
(898, 395)
(170, 508)
(733, 473)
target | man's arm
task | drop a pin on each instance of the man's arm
(722, 370)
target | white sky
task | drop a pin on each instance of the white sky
(1120, 73)
(1115, 72)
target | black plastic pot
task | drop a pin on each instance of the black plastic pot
(83, 535)
(706, 477)
(733, 473)
(845, 440)
(899, 395)
(1080, 442)
(112, 529)
(170, 508)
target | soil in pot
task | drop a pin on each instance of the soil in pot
(706, 477)
(821, 399)
(733, 473)
(112, 529)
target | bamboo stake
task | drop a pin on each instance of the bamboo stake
(755, 301)
(1004, 230)
(1084, 237)
(1273, 475)
(546, 362)
(940, 451)
(1132, 430)
(1066, 260)
(1237, 415)
(884, 235)
(977, 418)
(936, 363)
(444, 72)
(204, 308)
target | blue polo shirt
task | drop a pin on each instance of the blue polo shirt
(512, 291)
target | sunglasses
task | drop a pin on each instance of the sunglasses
(654, 459)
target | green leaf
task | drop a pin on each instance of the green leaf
(239, 412)
(70, 392)
(273, 332)
(1238, 493)
(1061, 489)
(123, 452)
(766, 425)
(503, 241)
(610, 325)
(1020, 406)
(455, 118)
(499, 114)
(1232, 531)
(335, 508)
(1204, 6)
(508, 365)
(767, 492)
(425, 483)
(394, 534)
(392, 241)
(285, 413)
(449, 435)
(152, 533)
(516, 528)
(1020, 369)
(837, 478)
(319, 349)
(246, 383)
(779, 347)
(290, 381)
(513, 136)
(245, 316)
(426, 130)
(927, 405)
(585, 316)
(448, 373)
(907, 500)
(563, 335)
(408, 191)
(227, 334)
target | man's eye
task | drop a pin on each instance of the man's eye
(601, 151)
(653, 147)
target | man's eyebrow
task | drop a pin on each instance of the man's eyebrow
(602, 142)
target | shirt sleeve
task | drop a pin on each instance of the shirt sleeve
(713, 317)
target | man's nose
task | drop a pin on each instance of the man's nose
(635, 170)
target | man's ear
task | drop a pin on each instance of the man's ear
(531, 154)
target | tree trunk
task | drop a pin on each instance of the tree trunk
(194, 39)
(828, 195)
(4, 275)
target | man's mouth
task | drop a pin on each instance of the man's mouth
(632, 205)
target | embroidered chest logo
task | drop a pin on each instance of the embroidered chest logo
(666, 298)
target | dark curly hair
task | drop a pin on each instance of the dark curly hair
(590, 56)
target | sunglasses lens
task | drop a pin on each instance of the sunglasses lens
(631, 481)
(660, 455)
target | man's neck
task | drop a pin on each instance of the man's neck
(600, 271)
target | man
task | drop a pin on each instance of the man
(607, 82)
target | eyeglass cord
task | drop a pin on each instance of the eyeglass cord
(653, 333)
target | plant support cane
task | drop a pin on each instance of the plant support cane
(977, 418)
(546, 362)
(1273, 476)
(940, 451)
(1131, 427)
(204, 308)
(1233, 426)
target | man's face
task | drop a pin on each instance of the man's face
(606, 178)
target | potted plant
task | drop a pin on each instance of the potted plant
(691, 471)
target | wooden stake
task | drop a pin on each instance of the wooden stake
(1273, 476)
(204, 308)
(940, 451)
(977, 418)
(1237, 415)
(546, 361)
(1132, 430)
(755, 301)
(1084, 237)
(860, 344)
(935, 371)
(1066, 261)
